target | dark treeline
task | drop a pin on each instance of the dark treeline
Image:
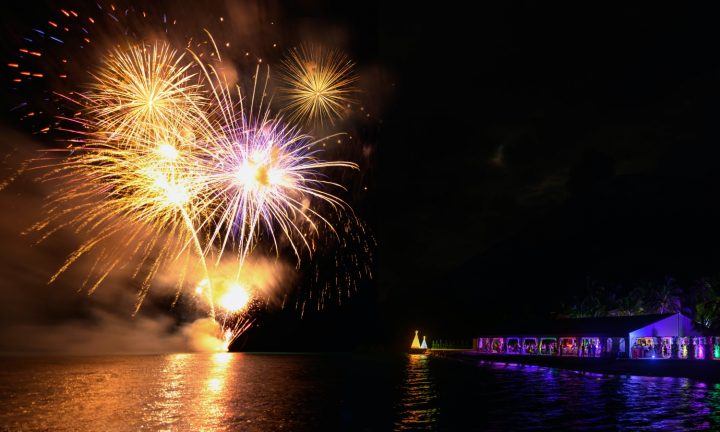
(699, 299)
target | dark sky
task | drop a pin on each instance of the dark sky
(533, 147)
(518, 151)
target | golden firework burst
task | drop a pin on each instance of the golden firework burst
(317, 84)
(132, 184)
(171, 166)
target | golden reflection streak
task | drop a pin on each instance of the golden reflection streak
(416, 409)
(212, 400)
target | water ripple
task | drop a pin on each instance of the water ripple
(227, 392)
(417, 408)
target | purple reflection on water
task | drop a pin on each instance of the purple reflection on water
(536, 397)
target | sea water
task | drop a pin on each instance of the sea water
(309, 392)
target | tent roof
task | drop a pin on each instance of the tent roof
(602, 326)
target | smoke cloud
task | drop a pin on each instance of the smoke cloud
(61, 317)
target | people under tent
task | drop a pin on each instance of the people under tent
(497, 346)
(548, 346)
(661, 336)
(667, 347)
(699, 344)
(530, 345)
(513, 345)
(644, 347)
(590, 347)
(568, 346)
(483, 345)
(684, 344)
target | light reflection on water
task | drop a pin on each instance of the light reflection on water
(179, 403)
(179, 392)
(227, 392)
(417, 408)
(523, 397)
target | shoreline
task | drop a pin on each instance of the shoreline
(705, 370)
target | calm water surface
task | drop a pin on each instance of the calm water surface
(225, 392)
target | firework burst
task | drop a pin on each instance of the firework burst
(269, 178)
(171, 167)
(317, 84)
(232, 299)
(134, 170)
(144, 93)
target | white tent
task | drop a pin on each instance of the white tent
(677, 325)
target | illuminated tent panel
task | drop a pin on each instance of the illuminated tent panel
(673, 325)
(622, 326)
(641, 336)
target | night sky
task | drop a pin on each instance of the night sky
(518, 151)
(540, 147)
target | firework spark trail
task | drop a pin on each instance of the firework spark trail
(142, 89)
(268, 176)
(166, 151)
(317, 84)
(141, 97)
(138, 158)
(263, 173)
